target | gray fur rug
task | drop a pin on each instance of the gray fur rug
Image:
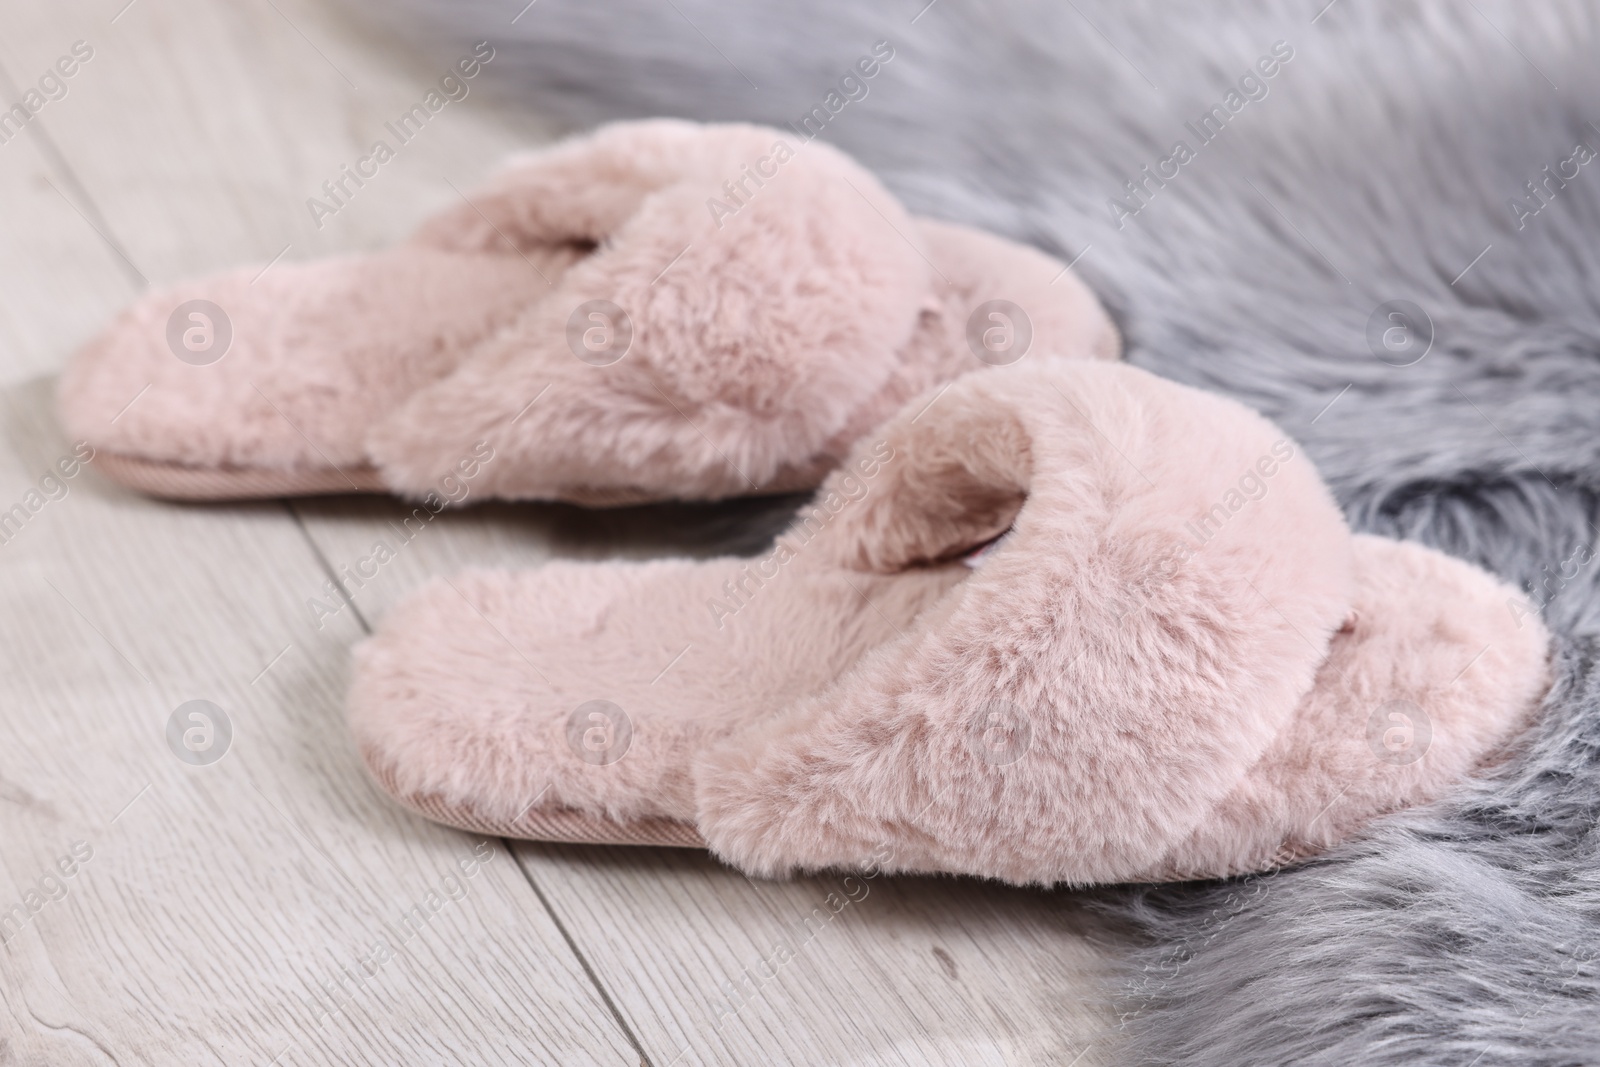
(1387, 158)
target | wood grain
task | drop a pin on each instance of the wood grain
(220, 899)
(681, 942)
(231, 912)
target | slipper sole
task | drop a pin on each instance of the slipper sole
(177, 481)
(567, 825)
(860, 689)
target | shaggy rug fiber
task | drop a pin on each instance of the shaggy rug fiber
(1387, 244)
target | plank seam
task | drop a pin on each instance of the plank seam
(583, 961)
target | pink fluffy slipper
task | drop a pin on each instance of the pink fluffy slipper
(1176, 661)
(657, 310)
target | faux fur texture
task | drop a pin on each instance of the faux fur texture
(699, 311)
(318, 353)
(1388, 156)
(1169, 668)
(767, 340)
(758, 333)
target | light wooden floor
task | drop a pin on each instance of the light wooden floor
(227, 913)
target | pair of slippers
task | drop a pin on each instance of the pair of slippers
(1048, 618)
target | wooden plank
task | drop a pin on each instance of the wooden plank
(681, 942)
(203, 128)
(230, 912)
(712, 968)
(61, 279)
(670, 936)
